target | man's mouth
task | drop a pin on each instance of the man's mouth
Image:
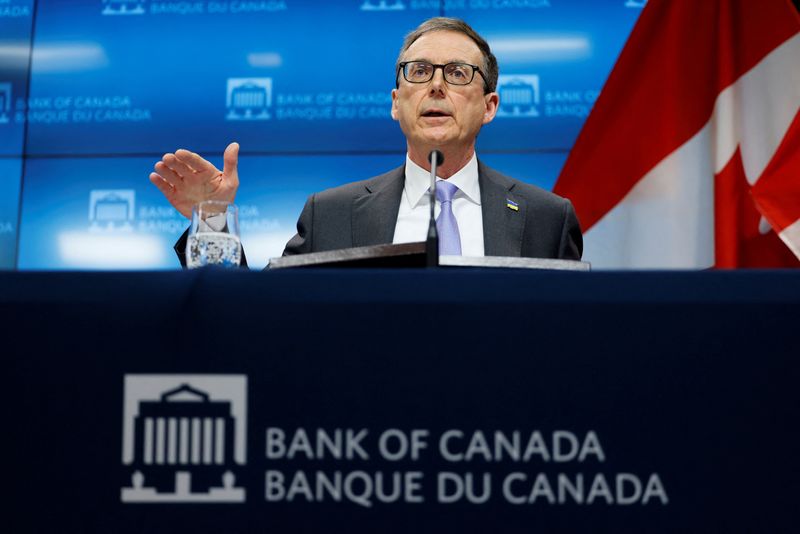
(435, 113)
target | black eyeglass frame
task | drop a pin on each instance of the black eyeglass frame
(401, 67)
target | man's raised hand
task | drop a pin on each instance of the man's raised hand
(187, 179)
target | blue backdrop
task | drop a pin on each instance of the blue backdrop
(94, 92)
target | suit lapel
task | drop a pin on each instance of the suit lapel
(502, 225)
(375, 213)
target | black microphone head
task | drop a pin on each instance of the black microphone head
(439, 156)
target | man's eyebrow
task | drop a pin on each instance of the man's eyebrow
(429, 61)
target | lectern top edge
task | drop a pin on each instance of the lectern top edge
(413, 255)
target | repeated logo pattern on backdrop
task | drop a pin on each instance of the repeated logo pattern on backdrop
(294, 97)
(249, 99)
(519, 95)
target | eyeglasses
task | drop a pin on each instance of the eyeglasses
(454, 73)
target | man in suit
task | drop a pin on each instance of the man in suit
(444, 94)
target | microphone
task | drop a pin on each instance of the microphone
(432, 242)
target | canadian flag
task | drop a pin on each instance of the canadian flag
(691, 155)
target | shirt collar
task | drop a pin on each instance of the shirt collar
(418, 180)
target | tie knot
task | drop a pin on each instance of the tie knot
(445, 191)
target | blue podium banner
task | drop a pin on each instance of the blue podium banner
(387, 401)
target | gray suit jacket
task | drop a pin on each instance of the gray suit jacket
(365, 213)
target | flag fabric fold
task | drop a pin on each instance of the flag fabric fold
(691, 155)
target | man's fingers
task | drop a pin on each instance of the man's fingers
(180, 168)
(162, 185)
(168, 174)
(178, 201)
(186, 178)
(194, 161)
(231, 159)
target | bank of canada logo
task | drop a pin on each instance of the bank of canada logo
(124, 7)
(519, 95)
(184, 438)
(635, 3)
(5, 102)
(112, 209)
(383, 5)
(248, 99)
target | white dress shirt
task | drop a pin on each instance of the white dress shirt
(414, 213)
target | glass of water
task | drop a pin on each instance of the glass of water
(214, 235)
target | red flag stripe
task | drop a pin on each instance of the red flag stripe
(777, 192)
(739, 240)
(624, 138)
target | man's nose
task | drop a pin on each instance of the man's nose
(437, 82)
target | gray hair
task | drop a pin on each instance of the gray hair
(489, 67)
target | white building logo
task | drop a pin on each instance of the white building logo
(111, 209)
(382, 5)
(5, 102)
(248, 99)
(519, 95)
(124, 7)
(184, 438)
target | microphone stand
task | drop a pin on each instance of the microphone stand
(432, 241)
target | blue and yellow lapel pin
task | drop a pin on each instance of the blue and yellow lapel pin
(510, 204)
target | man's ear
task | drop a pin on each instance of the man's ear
(394, 104)
(492, 102)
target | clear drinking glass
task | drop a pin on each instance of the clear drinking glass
(214, 235)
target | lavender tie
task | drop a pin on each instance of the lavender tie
(446, 225)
